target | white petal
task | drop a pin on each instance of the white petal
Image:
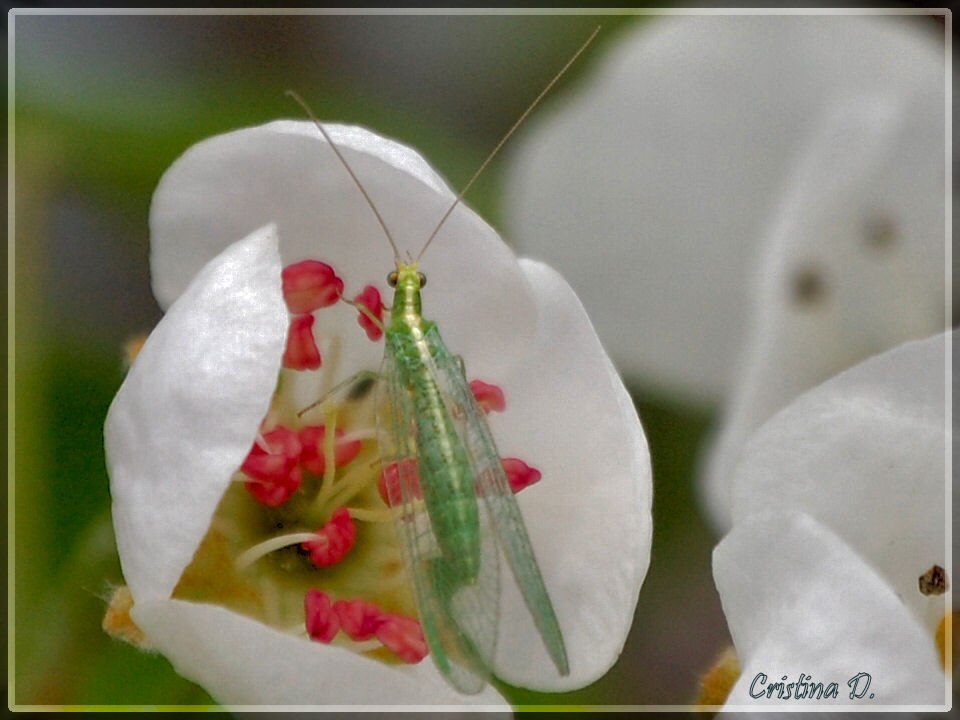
(865, 455)
(854, 262)
(243, 662)
(798, 600)
(188, 411)
(589, 516)
(285, 173)
(651, 187)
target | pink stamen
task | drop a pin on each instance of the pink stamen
(334, 540)
(322, 622)
(312, 457)
(490, 397)
(302, 352)
(358, 618)
(361, 620)
(519, 474)
(370, 298)
(310, 285)
(272, 466)
(389, 483)
(404, 636)
(275, 494)
(273, 458)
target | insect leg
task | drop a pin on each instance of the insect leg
(357, 385)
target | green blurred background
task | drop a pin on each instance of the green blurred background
(102, 105)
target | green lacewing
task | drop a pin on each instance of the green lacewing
(453, 508)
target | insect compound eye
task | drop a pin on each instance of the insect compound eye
(392, 279)
(422, 278)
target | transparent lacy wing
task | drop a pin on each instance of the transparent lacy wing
(459, 618)
(498, 499)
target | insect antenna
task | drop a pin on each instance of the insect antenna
(506, 137)
(302, 103)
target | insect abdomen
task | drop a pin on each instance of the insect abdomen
(446, 479)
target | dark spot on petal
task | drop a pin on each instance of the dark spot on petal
(807, 286)
(880, 232)
(933, 581)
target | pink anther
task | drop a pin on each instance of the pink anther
(370, 299)
(519, 474)
(333, 540)
(322, 622)
(302, 352)
(309, 285)
(490, 397)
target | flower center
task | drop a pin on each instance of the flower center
(303, 540)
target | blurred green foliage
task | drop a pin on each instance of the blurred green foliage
(93, 127)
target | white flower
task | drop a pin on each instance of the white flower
(226, 218)
(853, 264)
(839, 513)
(652, 188)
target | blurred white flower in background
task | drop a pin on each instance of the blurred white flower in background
(654, 188)
(749, 206)
(853, 264)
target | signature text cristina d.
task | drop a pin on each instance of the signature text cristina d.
(806, 689)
